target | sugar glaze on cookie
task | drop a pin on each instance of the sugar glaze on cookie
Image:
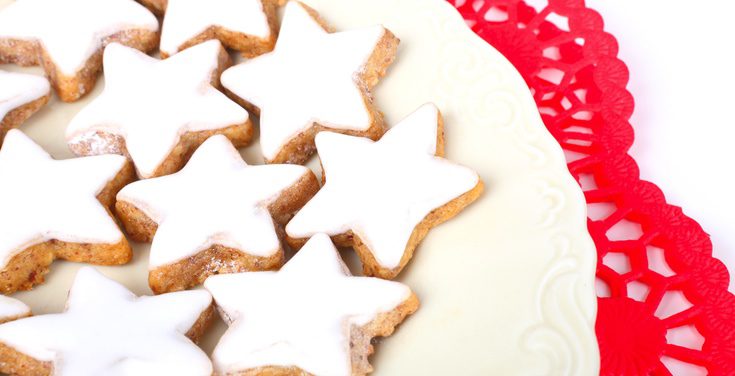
(66, 37)
(107, 330)
(21, 95)
(216, 215)
(382, 197)
(313, 80)
(12, 309)
(247, 26)
(158, 111)
(56, 208)
(311, 317)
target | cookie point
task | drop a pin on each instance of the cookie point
(14, 133)
(87, 272)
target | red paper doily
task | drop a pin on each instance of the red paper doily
(663, 299)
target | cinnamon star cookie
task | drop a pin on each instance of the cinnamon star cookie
(248, 26)
(157, 112)
(383, 197)
(313, 80)
(56, 209)
(217, 215)
(107, 330)
(311, 317)
(67, 37)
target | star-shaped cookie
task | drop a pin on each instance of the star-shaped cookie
(107, 330)
(21, 95)
(12, 309)
(248, 26)
(158, 111)
(56, 209)
(67, 37)
(313, 80)
(311, 317)
(383, 197)
(216, 215)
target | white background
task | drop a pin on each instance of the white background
(681, 58)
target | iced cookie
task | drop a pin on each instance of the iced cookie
(12, 309)
(248, 26)
(313, 80)
(107, 330)
(157, 112)
(383, 197)
(311, 317)
(67, 37)
(214, 216)
(21, 95)
(56, 209)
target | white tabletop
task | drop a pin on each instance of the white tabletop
(681, 60)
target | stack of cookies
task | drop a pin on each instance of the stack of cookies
(158, 162)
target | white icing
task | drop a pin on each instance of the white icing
(185, 19)
(309, 77)
(106, 329)
(12, 308)
(152, 103)
(43, 199)
(18, 89)
(71, 31)
(215, 199)
(400, 171)
(300, 316)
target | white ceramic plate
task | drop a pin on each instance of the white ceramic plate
(507, 286)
